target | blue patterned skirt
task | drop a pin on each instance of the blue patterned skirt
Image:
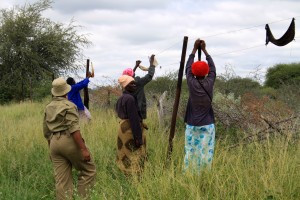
(199, 147)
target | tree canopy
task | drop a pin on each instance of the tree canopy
(34, 48)
(283, 74)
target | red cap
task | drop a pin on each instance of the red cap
(200, 68)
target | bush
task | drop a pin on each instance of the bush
(283, 74)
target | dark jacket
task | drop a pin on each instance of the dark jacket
(127, 108)
(199, 111)
(140, 93)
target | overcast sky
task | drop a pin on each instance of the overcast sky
(126, 30)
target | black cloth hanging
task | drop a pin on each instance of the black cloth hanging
(285, 39)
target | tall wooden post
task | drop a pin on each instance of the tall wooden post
(177, 98)
(86, 90)
(199, 53)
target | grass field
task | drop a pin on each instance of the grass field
(269, 170)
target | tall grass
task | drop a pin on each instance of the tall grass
(269, 170)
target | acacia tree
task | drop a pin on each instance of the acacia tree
(33, 48)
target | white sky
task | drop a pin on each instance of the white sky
(126, 30)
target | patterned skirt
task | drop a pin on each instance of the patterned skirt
(199, 147)
(130, 159)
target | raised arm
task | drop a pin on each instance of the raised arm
(211, 64)
(191, 59)
(82, 84)
(148, 77)
(203, 47)
(137, 63)
(196, 46)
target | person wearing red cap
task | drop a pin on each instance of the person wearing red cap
(199, 117)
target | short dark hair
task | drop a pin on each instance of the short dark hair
(71, 81)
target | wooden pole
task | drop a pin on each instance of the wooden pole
(199, 53)
(85, 90)
(177, 98)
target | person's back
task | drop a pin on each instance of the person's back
(199, 118)
(67, 147)
(56, 112)
(131, 142)
(199, 109)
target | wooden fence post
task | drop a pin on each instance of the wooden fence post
(177, 98)
(86, 90)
